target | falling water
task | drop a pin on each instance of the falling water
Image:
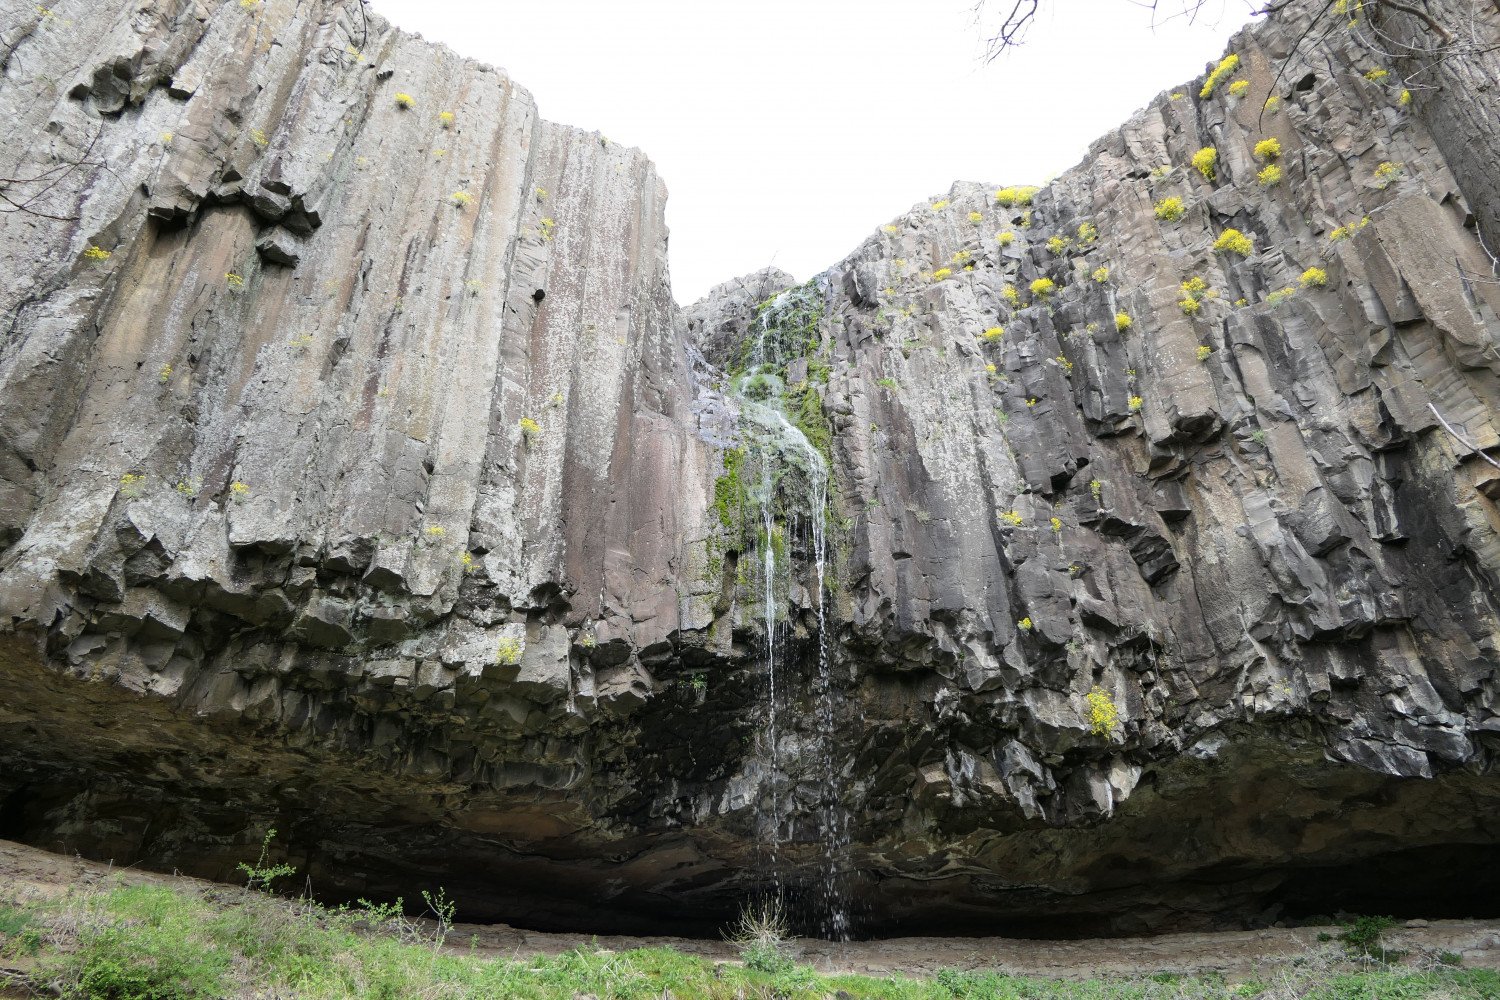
(794, 478)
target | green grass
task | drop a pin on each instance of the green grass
(148, 942)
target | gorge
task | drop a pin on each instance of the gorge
(1113, 556)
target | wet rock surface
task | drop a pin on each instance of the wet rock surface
(359, 477)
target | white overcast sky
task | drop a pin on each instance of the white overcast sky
(788, 131)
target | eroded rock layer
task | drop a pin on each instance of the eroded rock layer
(359, 477)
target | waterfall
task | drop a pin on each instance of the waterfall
(798, 746)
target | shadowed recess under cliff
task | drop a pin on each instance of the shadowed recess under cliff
(1112, 556)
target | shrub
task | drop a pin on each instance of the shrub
(1013, 196)
(466, 560)
(1104, 717)
(1204, 351)
(1122, 321)
(1006, 238)
(1012, 518)
(1362, 937)
(994, 333)
(260, 875)
(1136, 403)
(1177, 95)
(165, 375)
(1268, 149)
(1024, 624)
(1190, 307)
(1270, 176)
(1170, 209)
(548, 228)
(530, 429)
(1386, 173)
(1344, 232)
(1057, 525)
(976, 217)
(1010, 295)
(1239, 88)
(541, 194)
(132, 486)
(445, 119)
(1314, 277)
(1204, 161)
(405, 101)
(941, 273)
(508, 652)
(1059, 245)
(1226, 67)
(1273, 104)
(938, 206)
(1405, 99)
(239, 492)
(1234, 241)
(1377, 74)
(1087, 232)
(761, 932)
(1101, 274)
(461, 199)
(259, 138)
(1280, 296)
(436, 531)
(234, 280)
(96, 253)
(1043, 287)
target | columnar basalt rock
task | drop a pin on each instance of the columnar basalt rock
(359, 477)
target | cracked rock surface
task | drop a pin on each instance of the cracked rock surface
(360, 477)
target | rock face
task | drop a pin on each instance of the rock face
(359, 477)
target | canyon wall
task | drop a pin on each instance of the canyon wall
(360, 477)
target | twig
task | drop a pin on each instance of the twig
(1465, 441)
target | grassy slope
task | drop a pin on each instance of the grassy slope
(145, 942)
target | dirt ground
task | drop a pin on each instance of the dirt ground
(28, 873)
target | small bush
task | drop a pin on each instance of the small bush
(1281, 296)
(1171, 209)
(405, 101)
(445, 119)
(1344, 232)
(1205, 160)
(1104, 717)
(1010, 295)
(938, 206)
(1087, 232)
(762, 936)
(1270, 176)
(1012, 518)
(1204, 352)
(1268, 149)
(1239, 88)
(1405, 99)
(530, 429)
(1123, 321)
(1006, 238)
(1234, 241)
(239, 492)
(976, 217)
(1226, 67)
(1059, 245)
(97, 253)
(1314, 277)
(1377, 74)
(1136, 403)
(942, 273)
(1011, 197)
(132, 486)
(1363, 936)
(1190, 307)
(1101, 274)
(1386, 173)
(994, 333)
(1043, 287)
(1273, 104)
(508, 652)
(1025, 624)
(461, 199)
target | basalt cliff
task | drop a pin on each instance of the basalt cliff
(1119, 555)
